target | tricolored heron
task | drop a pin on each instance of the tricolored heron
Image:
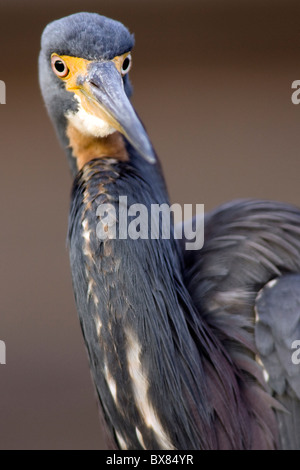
(188, 350)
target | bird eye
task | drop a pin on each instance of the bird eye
(126, 66)
(59, 66)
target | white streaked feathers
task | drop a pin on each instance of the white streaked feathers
(140, 438)
(264, 370)
(87, 252)
(121, 441)
(110, 382)
(98, 324)
(140, 387)
(140, 384)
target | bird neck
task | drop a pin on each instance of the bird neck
(85, 148)
(154, 362)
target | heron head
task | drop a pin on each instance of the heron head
(84, 63)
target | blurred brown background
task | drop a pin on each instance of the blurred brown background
(212, 83)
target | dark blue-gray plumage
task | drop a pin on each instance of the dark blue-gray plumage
(188, 350)
(87, 35)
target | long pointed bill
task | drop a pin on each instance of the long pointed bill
(103, 95)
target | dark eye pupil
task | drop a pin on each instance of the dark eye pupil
(59, 65)
(126, 64)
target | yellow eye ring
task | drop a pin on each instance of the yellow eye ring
(59, 66)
